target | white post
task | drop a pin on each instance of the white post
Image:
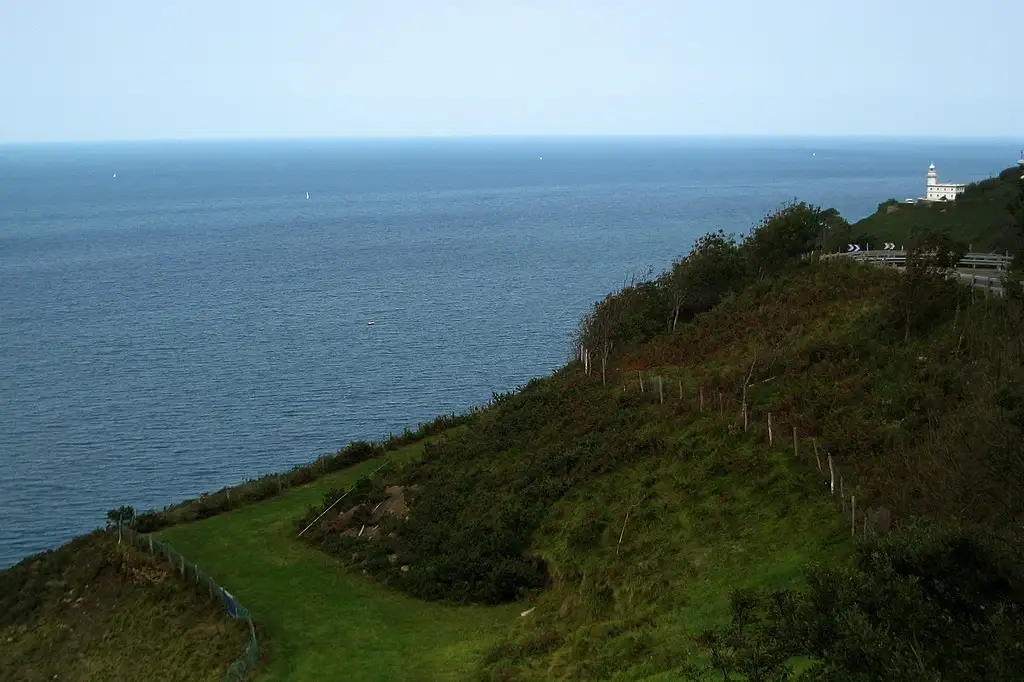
(832, 476)
(770, 440)
(853, 515)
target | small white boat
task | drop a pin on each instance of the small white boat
(370, 324)
(307, 195)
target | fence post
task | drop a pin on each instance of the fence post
(796, 445)
(641, 377)
(744, 416)
(770, 440)
(831, 475)
(661, 393)
(853, 515)
(700, 399)
(680, 389)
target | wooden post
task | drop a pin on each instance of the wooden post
(721, 407)
(603, 375)
(680, 389)
(744, 416)
(770, 441)
(814, 442)
(832, 476)
(661, 393)
(700, 403)
(796, 445)
(641, 377)
(853, 515)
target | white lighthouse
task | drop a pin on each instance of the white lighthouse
(934, 191)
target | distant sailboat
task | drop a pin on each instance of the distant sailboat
(115, 175)
(307, 195)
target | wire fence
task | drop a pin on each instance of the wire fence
(736, 415)
(190, 572)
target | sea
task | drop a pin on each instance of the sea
(180, 316)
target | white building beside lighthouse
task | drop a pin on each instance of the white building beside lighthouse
(940, 192)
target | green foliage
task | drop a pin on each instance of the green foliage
(716, 266)
(921, 604)
(319, 619)
(122, 516)
(93, 610)
(783, 238)
(926, 295)
(981, 217)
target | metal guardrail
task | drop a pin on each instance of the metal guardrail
(988, 261)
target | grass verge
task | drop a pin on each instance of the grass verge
(322, 621)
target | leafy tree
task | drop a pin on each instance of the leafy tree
(120, 517)
(926, 289)
(783, 237)
(698, 281)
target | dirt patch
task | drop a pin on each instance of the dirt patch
(394, 505)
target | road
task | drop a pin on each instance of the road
(983, 270)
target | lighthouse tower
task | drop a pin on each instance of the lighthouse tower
(936, 191)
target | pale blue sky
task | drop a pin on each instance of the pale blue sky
(118, 69)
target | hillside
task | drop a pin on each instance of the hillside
(93, 610)
(628, 518)
(658, 509)
(980, 218)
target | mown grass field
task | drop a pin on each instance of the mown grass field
(324, 622)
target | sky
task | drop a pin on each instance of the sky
(184, 69)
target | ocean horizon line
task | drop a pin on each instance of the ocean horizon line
(514, 137)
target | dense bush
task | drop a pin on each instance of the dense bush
(920, 604)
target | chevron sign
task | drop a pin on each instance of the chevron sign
(889, 246)
(851, 248)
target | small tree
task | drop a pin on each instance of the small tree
(121, 517)
(926, 290)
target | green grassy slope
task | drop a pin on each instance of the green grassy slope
(979, 218)
(323, 622)
(926, 426)
(92, 611)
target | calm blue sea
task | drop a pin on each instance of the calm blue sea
(196, 321)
